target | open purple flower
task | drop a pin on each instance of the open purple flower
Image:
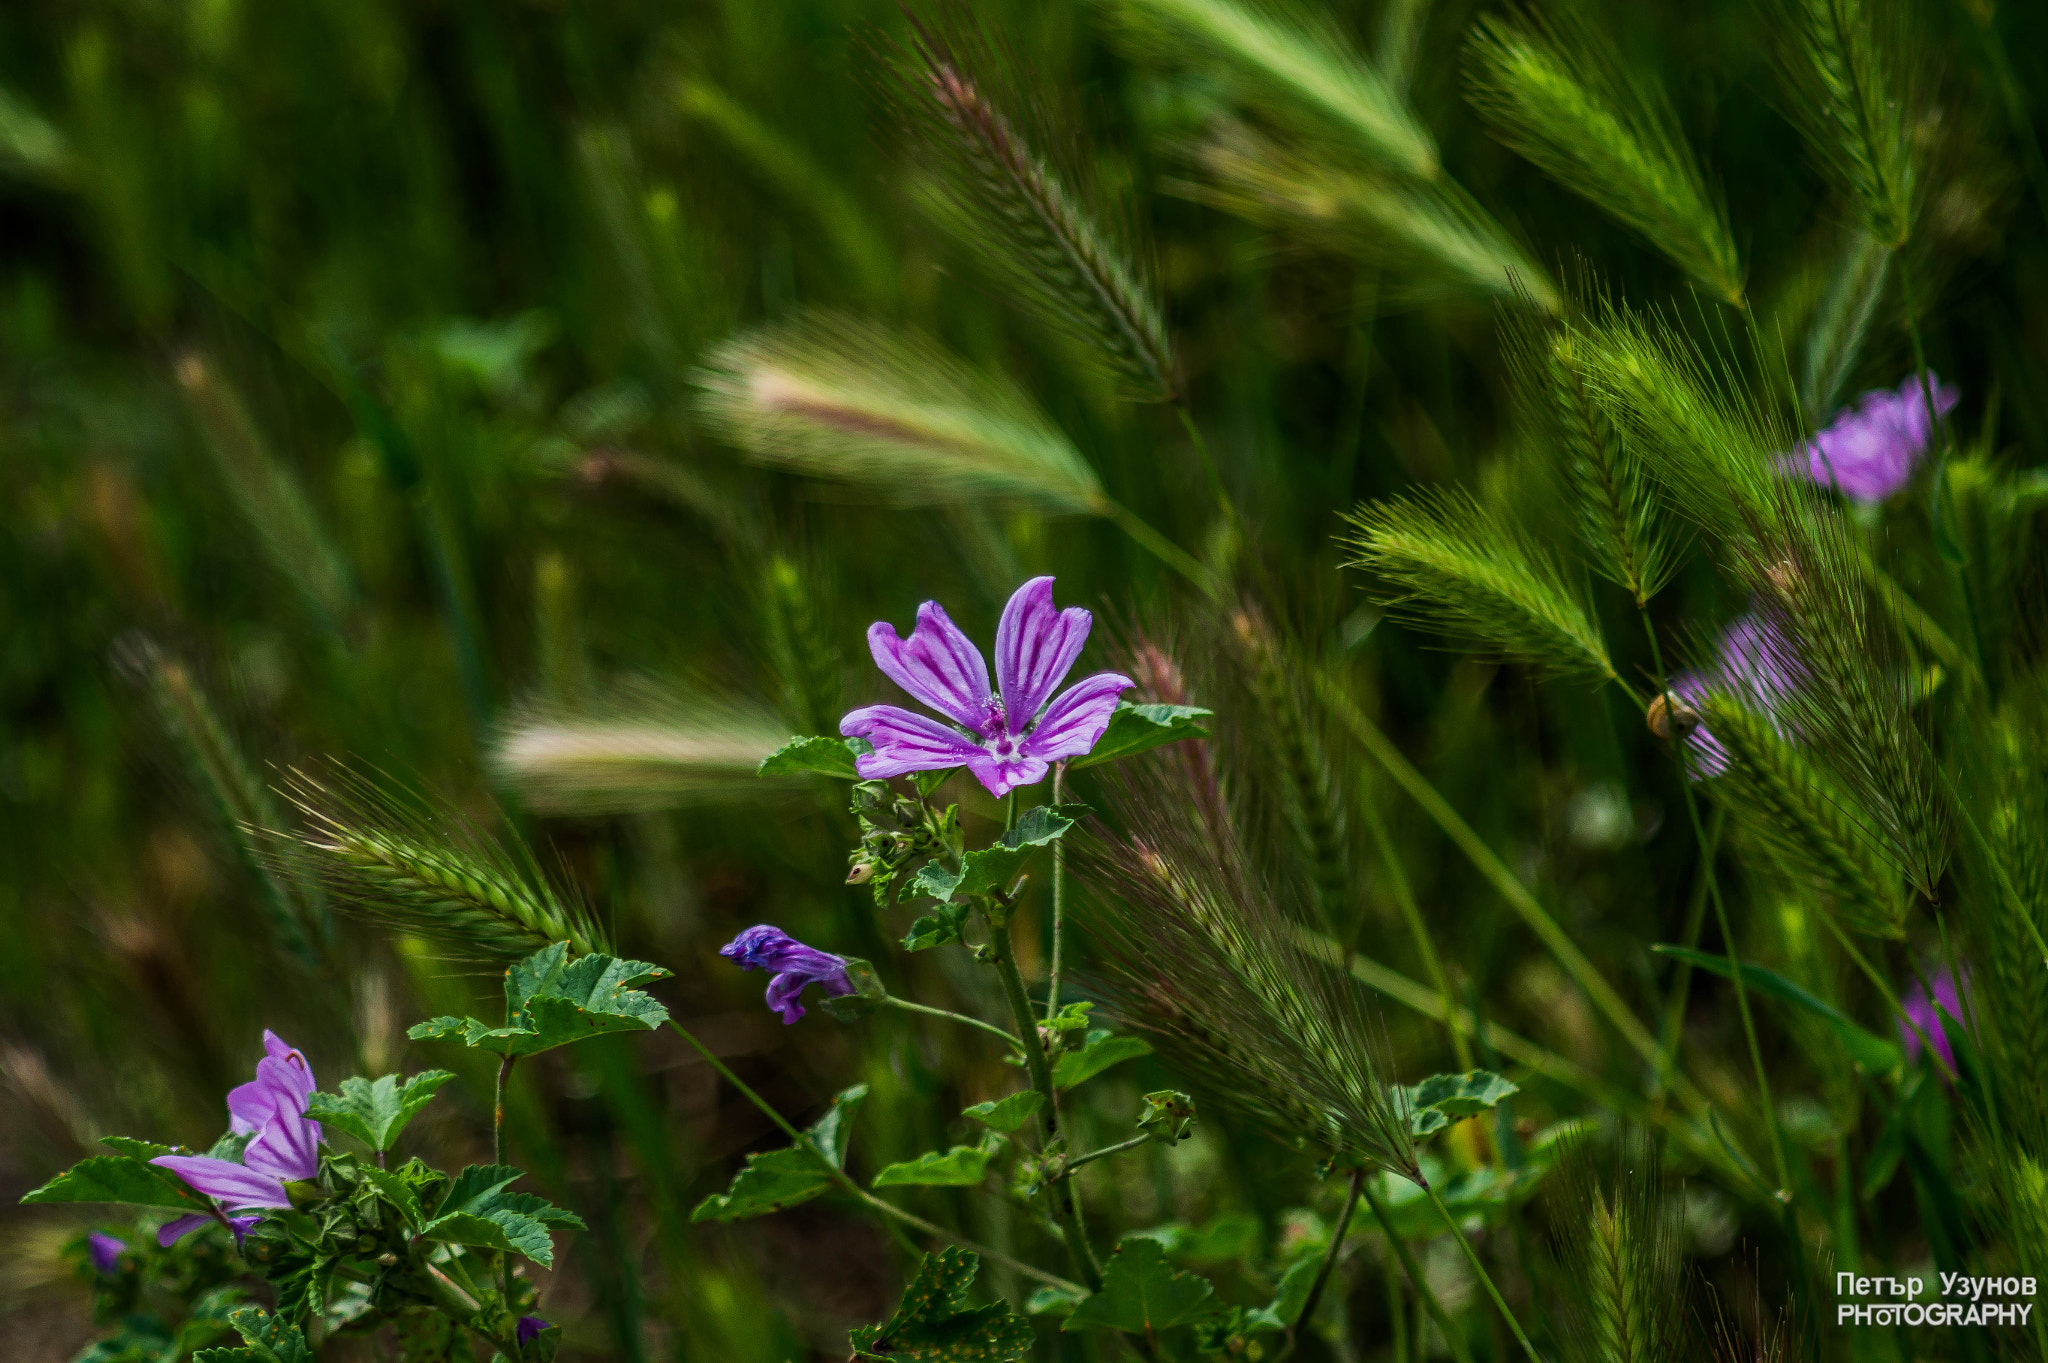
(104, 1251)
(1927, 1017)
(793, 965)
(1869, 451)
(284, 1145)
(1007, 735)
(1753, 659)
(529, 1329)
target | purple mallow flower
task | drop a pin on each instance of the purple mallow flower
(793, 965)
(104, 1251)
(1007, 735)
(1869, 451)
(284, 1145)
(1752, 659)
(1927, 1017)
(529, 1329)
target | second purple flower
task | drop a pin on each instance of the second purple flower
(1008, 735)
(284, 1144)
(792, 964)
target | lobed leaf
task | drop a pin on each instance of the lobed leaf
(964, 1166)
(817, 755)
(777, 1179)
(1098, 1053)
(934, 1324)
(1140, 728)
(1441, 1099)
(1008, 1115)
(376, 1112)
(1143, 1293)
(121, 1179)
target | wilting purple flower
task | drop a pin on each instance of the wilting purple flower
(1927, 1017)
(793, 964)
(529, 1329)
(1869, 450)
(1753, 659)
(284, 1144)
(1007, 735)
(104, 1251)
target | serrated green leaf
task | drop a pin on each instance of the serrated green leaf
(963, 1166)
(943, 925)
(1139, 728)
(135, 1149)
(494, 1228)
(1007, 1115)
(539, 1208)
(266, 1339)
(934, 1324)
(551, 1001)
(1142, 1292)
(994, 867)
(374, 1113)
(1285, 1308)
(1103, 1049)
(397, 1191)
(777, 1179)
(815, 755)
(1873, 1052)
(118, 1178)
(1441, 1099)
(475, 1186)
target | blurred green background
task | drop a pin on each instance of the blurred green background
(345, 352)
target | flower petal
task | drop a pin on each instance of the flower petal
(1074, 722)
(171, 1232)
(231, 1183)
(1000, 775)
(1036, 645)
(904, 742)
(937, 664)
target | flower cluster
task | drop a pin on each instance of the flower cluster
(283, 1145)
(1869, 451)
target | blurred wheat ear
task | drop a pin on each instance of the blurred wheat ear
(1616, 509)
(840, 398)
(1433, 241)
(634, 752)
(1461, 569)
(1293, 65)
(393, 856)
(1617, 1252)
(1850, 88)
(1062, 256)
(1560, 94)
(1841, 323)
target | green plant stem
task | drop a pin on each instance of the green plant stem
(1209, 466)
(1689, 937)
(854, 1190)
(1322, 1280)
(1989, 852)
(891, 1001)
(1498, 875)
(1453, 1337)
(459, 1305)
(1093, 1155)
(1699, 832)
(1884, 989)
(1066, 1211)
(1059, 888)
(1161, 548)
(1472, 1257)
(1411, 913)
(498, 1157)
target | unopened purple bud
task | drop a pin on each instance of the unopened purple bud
(104, 1251)
(529, 1329)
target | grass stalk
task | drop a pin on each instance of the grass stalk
(1329, 1264)
(1411, 914)
(1453, 1337)
(1472, 1257)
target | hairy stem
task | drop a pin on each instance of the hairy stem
(498, 1157)
(1472, 1257)
(1093, 1155)
(1454, 1337)
(891, 1001)
(1059, 889)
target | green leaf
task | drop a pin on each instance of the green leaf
(868, 993)
(944, 923)
(1054, 1301)
(1285, 1308)
(475, 1185)
(1874, 1053)
(994, 867)
(1441, 1099)
(934, 1323)
(1168, 1116)
(817, 754)
(267, 1339)
(551, 1001)
(395, 1190)
(1142, 1292)
(963, 1166)
(1139, 728)
(118, 1178)
(1103, 1050)
(496, 1228)
(135, 1149)
(777, 1179)
(1008, 1114)
(374, 1113)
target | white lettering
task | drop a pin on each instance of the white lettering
(1845, 1282)
(1914, 1285)
(2023, 1310)
(2026, 1287)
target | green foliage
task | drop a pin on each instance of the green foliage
(1441, 1099)
(1009, 1114)
(1453, 565)
(477, 1210)
(1845, 71)
(995, 868)
(820, 755)
(1619, 1258)
(1102, 1049)
(265, 1339)
(1559, 93)
(1168, 1116)
(1841, 322)
(118, 1178)
(934, 1324)
(376, 1112)
(1140, 728)
(790, 1176)
(1867, 1049)
(1143, 1293)
(551, 1000)
(964, 1166)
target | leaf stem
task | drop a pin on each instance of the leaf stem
(1059, 888)
(854, 1190)
(498, 1157)
(1472, 1257)
(1093, 1155)
(891, 1001)
(1315, 1289)
(1461, 1350)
